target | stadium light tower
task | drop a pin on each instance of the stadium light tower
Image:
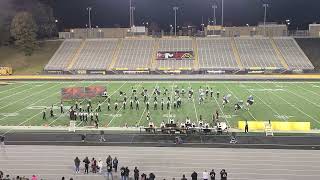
(265, 17)
(214, 7)
(89, 14)
(222, 12)
(175, 20)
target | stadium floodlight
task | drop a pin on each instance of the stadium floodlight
(56, 21)
(214, 7)
(89, 14)
(265, 17)
(175, 20)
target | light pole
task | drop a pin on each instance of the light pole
(89, 10)
(265, 17)
(222, 12)
(175, 20)
(214, 7)
(132, 15)
(130, 4)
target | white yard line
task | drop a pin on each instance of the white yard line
(105, 100)
(32, 116)
(194, 106)
(14, 88)
(222, 111)
(272, 109)
(172, 92)
(67, 111)
(31, 94)
(145, 107)
(297, 95)
(294, 106)
(308, 90)
(120, 108)
(19, 92)
(35, 101)
(238, 100)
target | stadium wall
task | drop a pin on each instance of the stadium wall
(310, 46)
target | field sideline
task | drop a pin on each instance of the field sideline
(21, 103)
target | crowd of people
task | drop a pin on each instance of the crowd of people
(97, 166)
(8, 177)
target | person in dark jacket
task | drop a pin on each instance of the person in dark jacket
(152, 176)
(77, 164)
(223, 174)
(109, 160)
(183, 177)
(109, 171)
(194, 176)
(115, 164)
(136, 173)
(86, 165)
(212, 175)
(122, 173)
(143, 176)
(126, 173)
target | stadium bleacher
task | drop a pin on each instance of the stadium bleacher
(135, 54)
(95, 55)
(257, 52)
(292, 53)
(63, 56)
(218, 53)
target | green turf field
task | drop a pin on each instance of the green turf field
(22, 102)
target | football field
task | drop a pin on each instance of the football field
(22, 102)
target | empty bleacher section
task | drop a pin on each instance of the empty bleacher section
(293, 54)
(209, 55)
(135, 54)
(216, 54)
(95, 55)
(175, 45)
(63, 56)
(257, 53)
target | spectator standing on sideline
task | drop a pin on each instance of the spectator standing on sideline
(205, 175)
(100, 165)
(94, 165)
(126, 173)
(109, 171)
(152, 176)
(34, 177)
(2, 142)
(109, 160)
(1, 174)
(194, 176)
(63, 178)
(77, 164)
(115, 164)
(212, 175)
(143, 176)
(223, 174)
(86, 165)
(136, 173)
(183, 177)
(122, 173)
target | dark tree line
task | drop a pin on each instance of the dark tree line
(24, 22)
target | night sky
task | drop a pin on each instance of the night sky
(110, 13)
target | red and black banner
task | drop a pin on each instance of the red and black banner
(82, 92)
(175, 55)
